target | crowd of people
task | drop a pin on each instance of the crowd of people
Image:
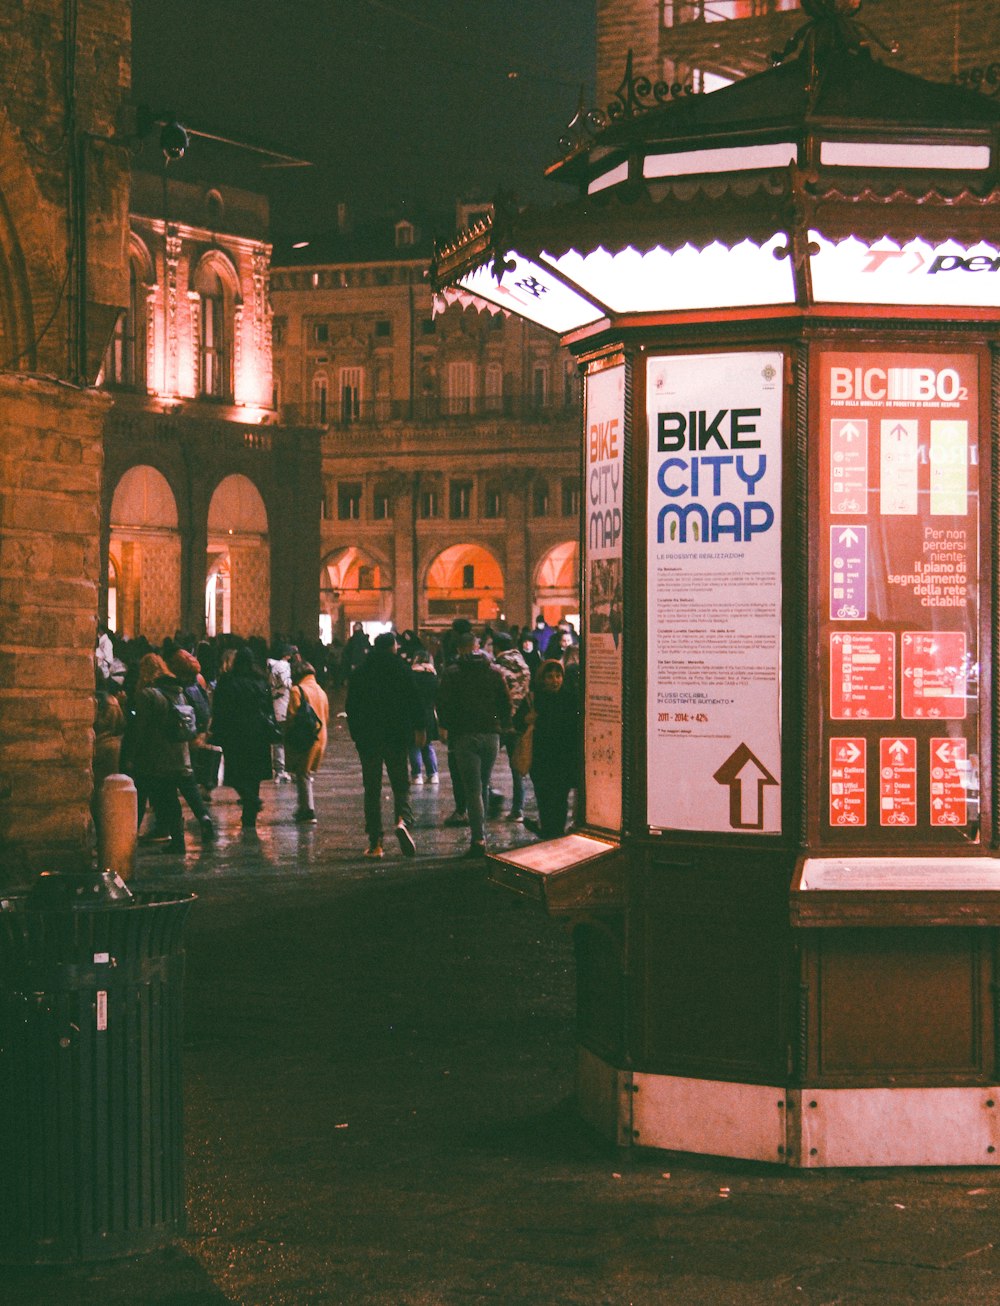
(184, 717)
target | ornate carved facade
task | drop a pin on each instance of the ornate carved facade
(210, 507)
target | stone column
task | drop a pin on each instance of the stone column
(51, 454)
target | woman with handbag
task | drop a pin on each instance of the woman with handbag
(550, 717)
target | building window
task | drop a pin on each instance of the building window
(540, 385)
(405, 234)
(383, 329)
(460, 383)
(366, 578)
(428, 504)
(571, 386)
(215, 369)
(493, 502)
(494, 388)
(540, 499)
(428, 326)
(381, 504)
(570, 497)
(349, 500)
(278, 327)
(469, 576)
(460, 499)
(125, 361)
(352, 380)
(321, 333)
(320, 399)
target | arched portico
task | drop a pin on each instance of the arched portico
(144, 554)
(354, 586)
(556, 586)
(238, 571)
(463, 580)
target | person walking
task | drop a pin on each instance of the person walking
(555, 762)
(243, 723)
(279, 675)
(385, 719)
(518, 680)
(164, 727)
(423, 761)
(305, 732)
(473, 710)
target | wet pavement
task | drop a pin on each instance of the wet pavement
(379, 1063)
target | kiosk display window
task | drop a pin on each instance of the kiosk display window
(898, 547)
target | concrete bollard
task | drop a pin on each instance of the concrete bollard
(117, 832)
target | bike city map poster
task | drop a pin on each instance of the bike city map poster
(899, 576)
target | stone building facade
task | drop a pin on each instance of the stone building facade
(451, 463)
(698, 43)
(63, 231)
(210, 515)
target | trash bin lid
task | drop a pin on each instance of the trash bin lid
(60, 889)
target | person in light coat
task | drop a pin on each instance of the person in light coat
(304, 763)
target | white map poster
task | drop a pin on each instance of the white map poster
(602, 572)
(714, 592)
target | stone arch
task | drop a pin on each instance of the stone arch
(462, 580)
(355, 585)
(238, 571)
(145, 552)
(557, 583)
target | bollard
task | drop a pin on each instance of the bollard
(117, 827)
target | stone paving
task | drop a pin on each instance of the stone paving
(379, 1065)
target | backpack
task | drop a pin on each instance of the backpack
(181, 723)
(304, 728)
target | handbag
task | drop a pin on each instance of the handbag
(520, 754)
(206, 760)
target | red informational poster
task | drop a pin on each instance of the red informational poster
(848, 781)
(862, 675)
(934, 675)
(897, 550)
(897, 782)
(950, 779)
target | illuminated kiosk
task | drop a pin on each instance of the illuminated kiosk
(785, 891)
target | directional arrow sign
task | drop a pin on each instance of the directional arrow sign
(742, 769)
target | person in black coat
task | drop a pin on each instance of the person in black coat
(386, 718)
(243, 723)
(555, 751)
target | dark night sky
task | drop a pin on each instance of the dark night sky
(393, 100)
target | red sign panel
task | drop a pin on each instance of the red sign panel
(897, 788)
(934, 675)
(848, 780)
(897, 554)
(863, 676)
(949, 782)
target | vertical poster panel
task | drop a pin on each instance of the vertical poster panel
(602, 592)
(714, 592)
(899, 505)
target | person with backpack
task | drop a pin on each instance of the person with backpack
(306, 726)
(165, 725)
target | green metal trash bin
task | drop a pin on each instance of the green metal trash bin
(91, 1130)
